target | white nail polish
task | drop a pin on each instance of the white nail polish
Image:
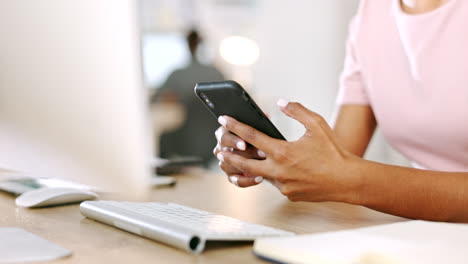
(218, 134)
(222, 120)
(261, 154)
(282, 103)
(241, 145)
(220, 157)
(234, 180)
(258, 179)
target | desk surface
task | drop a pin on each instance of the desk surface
(93, 242)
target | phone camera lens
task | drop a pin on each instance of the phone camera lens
(207, 100)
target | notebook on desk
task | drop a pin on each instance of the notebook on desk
(412, 242)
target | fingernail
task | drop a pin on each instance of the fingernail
(261, 154)
(258, 179)
(234, 180)
(241, 145)
(226, 149)
(220, 157)
(282, 103)
(222, 120)
(218, 134)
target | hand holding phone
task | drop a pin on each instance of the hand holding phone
(230, 99)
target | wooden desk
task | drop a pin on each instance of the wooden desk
(93, 242)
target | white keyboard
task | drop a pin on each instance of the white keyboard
(180, 226)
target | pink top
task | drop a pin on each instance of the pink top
(413, 71)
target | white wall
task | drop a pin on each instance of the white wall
(302, 51)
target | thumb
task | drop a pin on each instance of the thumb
(297, 111)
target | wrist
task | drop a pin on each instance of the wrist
(355, 171)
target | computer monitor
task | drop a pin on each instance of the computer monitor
(72, 102)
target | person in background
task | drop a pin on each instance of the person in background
(407, 72)
(193, 137)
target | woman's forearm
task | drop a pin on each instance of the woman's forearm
(354, 126)
(412, 193)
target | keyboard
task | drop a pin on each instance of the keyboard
(180, 226)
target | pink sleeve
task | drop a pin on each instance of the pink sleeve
(352, 86)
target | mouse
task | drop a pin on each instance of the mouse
(49, 196)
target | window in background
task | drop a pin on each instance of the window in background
(239, 51)
(162, 54)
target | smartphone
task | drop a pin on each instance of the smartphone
(229, 98)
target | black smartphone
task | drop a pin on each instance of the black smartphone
(229, 98)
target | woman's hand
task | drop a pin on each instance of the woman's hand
(316, 168)
(228, 142)
(313, 168)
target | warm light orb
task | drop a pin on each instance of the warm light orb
(240, 51)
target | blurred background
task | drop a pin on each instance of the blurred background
(275, 49)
